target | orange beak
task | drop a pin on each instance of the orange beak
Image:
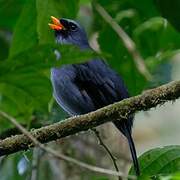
(56, 24)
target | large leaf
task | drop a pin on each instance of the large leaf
(32, 26)
(24, 79)
(25, 33)
(160, 161)
(9, 12)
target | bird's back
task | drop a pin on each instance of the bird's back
(81, 88)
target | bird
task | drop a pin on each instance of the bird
(85, 87)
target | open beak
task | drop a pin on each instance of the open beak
(56, 24)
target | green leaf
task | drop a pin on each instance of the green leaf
(45, 57)
(158, 161)
(170, 10)
(26, 87)
(9, 12)
(32, 27)
(175, 176)
(157, 35)
(25, 34)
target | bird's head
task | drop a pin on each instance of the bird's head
(69, 32)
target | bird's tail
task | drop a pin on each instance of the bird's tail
(126, 130)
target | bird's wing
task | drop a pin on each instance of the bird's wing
(82, 88)
(66, 92)
(102, 84)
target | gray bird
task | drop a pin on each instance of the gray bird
(86, 87)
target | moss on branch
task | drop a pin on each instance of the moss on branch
(148, 99)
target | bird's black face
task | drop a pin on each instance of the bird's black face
(69, 32)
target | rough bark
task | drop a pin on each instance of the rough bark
(148, 99)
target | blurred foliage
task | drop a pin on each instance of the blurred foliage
(27, 54)
(153, 35)
(9, 13)
(170, 10)
(13, 164)
(175, 176)
(4, 46)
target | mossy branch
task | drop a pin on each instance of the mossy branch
(148, 99)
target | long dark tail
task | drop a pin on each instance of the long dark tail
(126, 130)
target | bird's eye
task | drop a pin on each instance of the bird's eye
(73, 26)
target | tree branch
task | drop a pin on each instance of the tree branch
(122, 109)
(96, 132)
(62, 156)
